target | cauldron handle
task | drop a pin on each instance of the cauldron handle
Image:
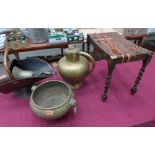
(34, 87)
(74, 105)
(6, 63)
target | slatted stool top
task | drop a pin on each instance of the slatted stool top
(117, 47)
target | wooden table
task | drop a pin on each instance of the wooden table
(28, 46)
(139, 40)
(116, 50)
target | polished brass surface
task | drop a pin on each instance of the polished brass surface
(52, 99)
(74, 66)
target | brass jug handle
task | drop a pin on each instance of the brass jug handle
(91, 58)
(6, 63)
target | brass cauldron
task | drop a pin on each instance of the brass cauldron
(74, 66)
(52, 99)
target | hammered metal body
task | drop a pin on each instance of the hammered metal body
(52, 99)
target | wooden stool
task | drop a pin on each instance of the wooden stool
(116, 50)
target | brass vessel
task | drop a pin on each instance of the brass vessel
(74, 66)
(52, 99)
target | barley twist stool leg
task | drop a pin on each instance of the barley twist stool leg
(94, 54)
(111, 67)
(140, 74)
(88, 44)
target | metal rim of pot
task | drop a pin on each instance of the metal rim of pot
(37, 87)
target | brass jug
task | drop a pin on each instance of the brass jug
(74, 66)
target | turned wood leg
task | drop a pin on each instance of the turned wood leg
(17, 56)
(94, 53)
(140, 74)
(135, 41)
(139, 42)
(88, 44)
(83, 45)
(111, 66)
(62, 53)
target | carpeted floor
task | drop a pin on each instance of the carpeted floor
(120, 109)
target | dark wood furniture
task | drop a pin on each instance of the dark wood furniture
(116, 50)
(139, 40)
(28, 46)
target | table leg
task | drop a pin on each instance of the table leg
(83, 44)
(140, 74)
(111, 66)
(135, 41)
(139, 42)
(62, 53)
(88, 44)
(94, 53)
(17, 56)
